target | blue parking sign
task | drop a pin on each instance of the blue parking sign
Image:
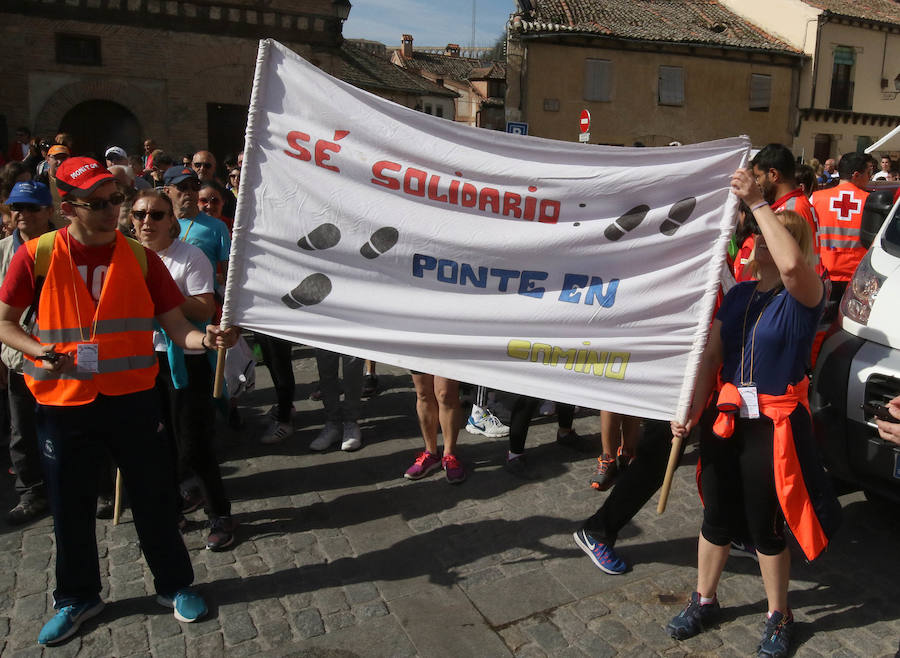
(517, 127)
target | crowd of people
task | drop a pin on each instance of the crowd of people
(112, 280)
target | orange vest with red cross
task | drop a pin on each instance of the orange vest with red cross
(840, 210)
(120, 324)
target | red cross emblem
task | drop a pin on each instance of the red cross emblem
(845, 205)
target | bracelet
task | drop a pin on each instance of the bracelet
(759, 205)
(203, 343)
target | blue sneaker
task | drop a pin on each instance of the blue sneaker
(602, 555)
(66, 621)
(188, 605)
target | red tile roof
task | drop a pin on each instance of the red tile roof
(883, 11)
(703, 22)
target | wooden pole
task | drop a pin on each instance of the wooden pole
(220, 374)
(117, 506)
(674, 458)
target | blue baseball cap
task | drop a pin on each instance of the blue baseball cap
(174, 175)
(30, 192)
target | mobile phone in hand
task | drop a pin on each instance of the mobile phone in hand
(879, 411)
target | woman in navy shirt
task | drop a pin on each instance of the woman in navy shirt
(756, 359)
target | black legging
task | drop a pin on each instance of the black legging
(636, 485)
(737, 479)
(520, 419)
(277, 357)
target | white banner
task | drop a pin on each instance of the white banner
(575, 273)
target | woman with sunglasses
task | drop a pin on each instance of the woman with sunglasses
(186, 376)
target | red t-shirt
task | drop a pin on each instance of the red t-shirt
(92, 262)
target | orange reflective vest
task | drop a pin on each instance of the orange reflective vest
(792, 481)
(839, 210)
(121, 325)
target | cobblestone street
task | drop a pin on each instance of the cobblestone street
(338, 555)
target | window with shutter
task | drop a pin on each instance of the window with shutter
(671, 85)
(597, 80)
(760, 92)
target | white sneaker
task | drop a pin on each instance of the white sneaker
(352, 437)
(547, 408)
(482, 421)
(329, 435)
(280, 431)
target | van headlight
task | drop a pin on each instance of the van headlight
(861, 292)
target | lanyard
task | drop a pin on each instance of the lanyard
(75, 297)
(773, 295)
(184, 237)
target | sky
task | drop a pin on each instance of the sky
(430, 22)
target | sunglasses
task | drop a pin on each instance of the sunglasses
(155, 215)
(202, 165)
(25, 207)
(210, 200)
(115, 199)
(188, 185)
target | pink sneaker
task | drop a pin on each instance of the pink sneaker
(425, 463)
(454, 471)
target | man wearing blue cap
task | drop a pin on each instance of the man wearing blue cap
(32, 208)
(197, 228)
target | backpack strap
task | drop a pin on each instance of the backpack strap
(139, 253)
(42, 255)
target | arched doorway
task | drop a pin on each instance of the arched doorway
(95, 125)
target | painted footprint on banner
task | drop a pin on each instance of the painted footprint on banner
(679, 213)
(316, 287)
(627, 222)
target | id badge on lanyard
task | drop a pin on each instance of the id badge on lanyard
(87, 357)
(749, 401)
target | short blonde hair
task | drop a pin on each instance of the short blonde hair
(799, 229)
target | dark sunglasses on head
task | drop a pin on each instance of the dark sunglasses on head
(25, 207)
(115, 199)
(155, 215)
(210, 200)
(202, 165)
(186, 185)
(45, 146)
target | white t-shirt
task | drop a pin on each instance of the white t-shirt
(193, 274)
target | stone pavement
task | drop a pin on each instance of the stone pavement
(339, 556)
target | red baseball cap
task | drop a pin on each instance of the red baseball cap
(79, 177)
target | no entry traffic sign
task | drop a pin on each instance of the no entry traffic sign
(585, 121)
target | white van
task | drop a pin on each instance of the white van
(860, 362)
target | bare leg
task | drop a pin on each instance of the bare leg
(447, 393)
(710, 562)
(776, 574)
(427, 410)
(610, 432)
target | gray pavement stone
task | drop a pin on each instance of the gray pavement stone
(130, 640)
(204, 646)
(237, 626)
(170, 647)
(518, 597)
(547, 636)
(308, 623)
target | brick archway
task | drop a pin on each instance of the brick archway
(146, 107)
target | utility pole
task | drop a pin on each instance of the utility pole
(472, 43)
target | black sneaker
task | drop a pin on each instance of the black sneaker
(221, 533)
(518, 467)
(570, 439)
(105, 507)
(694, 618)
(26, 511)
(191, 501)
(776, 639)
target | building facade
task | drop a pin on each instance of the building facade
(851, 78)
(653, 72)
(180, 72)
